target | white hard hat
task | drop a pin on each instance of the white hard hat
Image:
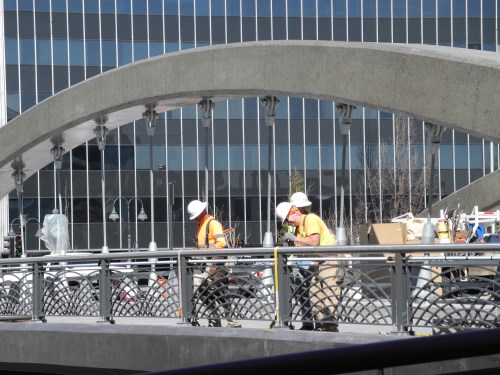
(299, 199)
(282, 210)
(195, 208)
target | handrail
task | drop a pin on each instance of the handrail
(358, 249)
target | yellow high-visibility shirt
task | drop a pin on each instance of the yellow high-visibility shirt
(312, 224)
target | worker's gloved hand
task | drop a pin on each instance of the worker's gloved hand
(289, 237)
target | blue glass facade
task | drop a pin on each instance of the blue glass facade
(53, 44)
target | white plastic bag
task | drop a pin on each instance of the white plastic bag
(55, 233)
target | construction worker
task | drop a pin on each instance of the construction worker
(311, 230)
(210, 235)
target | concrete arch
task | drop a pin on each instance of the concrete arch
(451, 87)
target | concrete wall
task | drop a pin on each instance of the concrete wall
(484, 193)
(124, 348)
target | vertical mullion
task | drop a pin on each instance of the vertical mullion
(19, 60)
(365, 166)
(149, 52)
(379, 168)
(36, 54)
(392, 21)
(182, 176)
(320, 167)
(194, 23)
(167, 181)
(179, 25)
(259, 168)
(132, 31)
(347, 19)
(164, 40)
(407, 20)
(242, 101)
(467, 24)
(228, 162)
(304, 154)
(335, 193)
(363, 23)
(116, 37)
(210, 34)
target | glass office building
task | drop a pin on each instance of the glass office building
(53, 44)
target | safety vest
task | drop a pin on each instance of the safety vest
(210, 234)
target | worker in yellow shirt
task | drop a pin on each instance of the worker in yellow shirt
(311, 230)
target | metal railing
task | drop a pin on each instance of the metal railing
(438, 287)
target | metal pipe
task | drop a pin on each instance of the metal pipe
(103, 189)
(269, 175)
(151, 183)
(206, 164)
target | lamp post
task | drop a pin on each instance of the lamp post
(101, 133)
(434, 141)
(150, 116)
(206, 106)
(345, 118)
(141, 216)
(270, 104)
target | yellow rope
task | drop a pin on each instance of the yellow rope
(276, 285)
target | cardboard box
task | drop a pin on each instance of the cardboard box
(387, 234)
(382, 234)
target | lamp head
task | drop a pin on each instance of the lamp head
(101, 132)
(271, 104)
(206, 106)
(150, 116)
(142, 215)
(114, 215)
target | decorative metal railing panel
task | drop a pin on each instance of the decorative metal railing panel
(239, 290)
(455, 294)
(15, 292)
(72, 292)
(391, 287)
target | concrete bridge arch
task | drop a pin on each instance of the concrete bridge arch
(451, 87)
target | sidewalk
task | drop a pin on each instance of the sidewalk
(246, 324)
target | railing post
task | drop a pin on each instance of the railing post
(282, 280)
(185, 276)
(37, 296)
(105, 293)
(399, 295)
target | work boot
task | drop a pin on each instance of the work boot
(307, 327)
(214, 323)
(233, 323)
(327, 327)
(194, 322)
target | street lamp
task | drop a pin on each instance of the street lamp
(270, 104)
(206, 106)
(38, 233)
(345, 119)
(142, 216)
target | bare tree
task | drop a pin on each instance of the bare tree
(394, 176)
(296, 185)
